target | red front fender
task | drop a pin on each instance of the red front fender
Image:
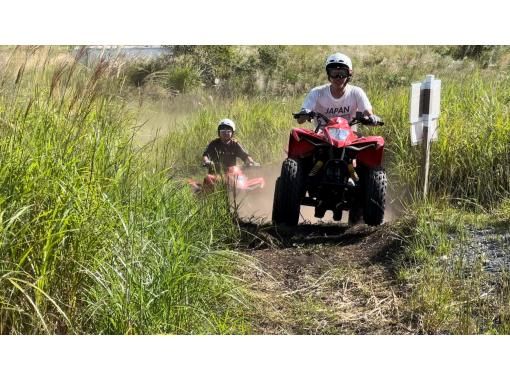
(299, 147)
(372, 156)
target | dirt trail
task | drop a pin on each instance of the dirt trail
(324, 279)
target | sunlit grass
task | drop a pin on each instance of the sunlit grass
(91, 240)
(100, 235)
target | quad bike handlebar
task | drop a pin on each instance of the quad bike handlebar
(358, 119)
(310, 115)
(211, 164)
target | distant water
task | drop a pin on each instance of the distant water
(94, 53)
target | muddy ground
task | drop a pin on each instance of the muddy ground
(324, 278)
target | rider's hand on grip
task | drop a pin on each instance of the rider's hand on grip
(305, 114)
(375, 120)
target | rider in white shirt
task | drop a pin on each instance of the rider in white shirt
(338, 98)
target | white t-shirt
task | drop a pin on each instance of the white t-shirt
(353, 100)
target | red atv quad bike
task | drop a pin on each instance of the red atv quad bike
(234, 177)
(331, 168)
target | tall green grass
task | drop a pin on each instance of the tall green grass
(470, 160)
(262, 126)
(468, 183)
(99, 235)
(91, 241)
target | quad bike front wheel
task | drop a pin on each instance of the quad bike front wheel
(276, 215)
(375, 196)
(288, 193)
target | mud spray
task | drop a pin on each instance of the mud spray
(258, 205)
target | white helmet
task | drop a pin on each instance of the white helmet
(227, 123)
(337, 59)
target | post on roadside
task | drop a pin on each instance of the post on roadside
(424, 115)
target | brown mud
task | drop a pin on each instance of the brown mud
(324, 279)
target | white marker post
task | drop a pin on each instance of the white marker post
(424, 114)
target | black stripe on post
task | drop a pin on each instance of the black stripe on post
(424, 102)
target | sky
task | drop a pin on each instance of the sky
(151, 22)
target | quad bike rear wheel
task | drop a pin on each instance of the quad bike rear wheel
(288, 193)
(375, 196)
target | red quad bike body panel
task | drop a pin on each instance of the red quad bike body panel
(337, 133)
(235, 179)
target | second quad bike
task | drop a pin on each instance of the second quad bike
(331, 168)
(235, 179)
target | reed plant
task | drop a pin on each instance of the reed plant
(469, 161)
(99, 233)
(91, 241)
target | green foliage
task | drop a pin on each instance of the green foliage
(486, 54)
(237, 71)
(90, 240)
(138, 72)
(271, 58)
(93, 242)
(262, 127)
(470, 159)
(183, 78)
(212, 62)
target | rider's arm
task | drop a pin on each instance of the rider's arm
(242, 153)
(365, 107)
(308, 104)
(206, 156)
(364, 104)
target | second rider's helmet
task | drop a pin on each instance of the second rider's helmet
(226, 124)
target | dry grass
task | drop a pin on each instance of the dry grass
(343, 288)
